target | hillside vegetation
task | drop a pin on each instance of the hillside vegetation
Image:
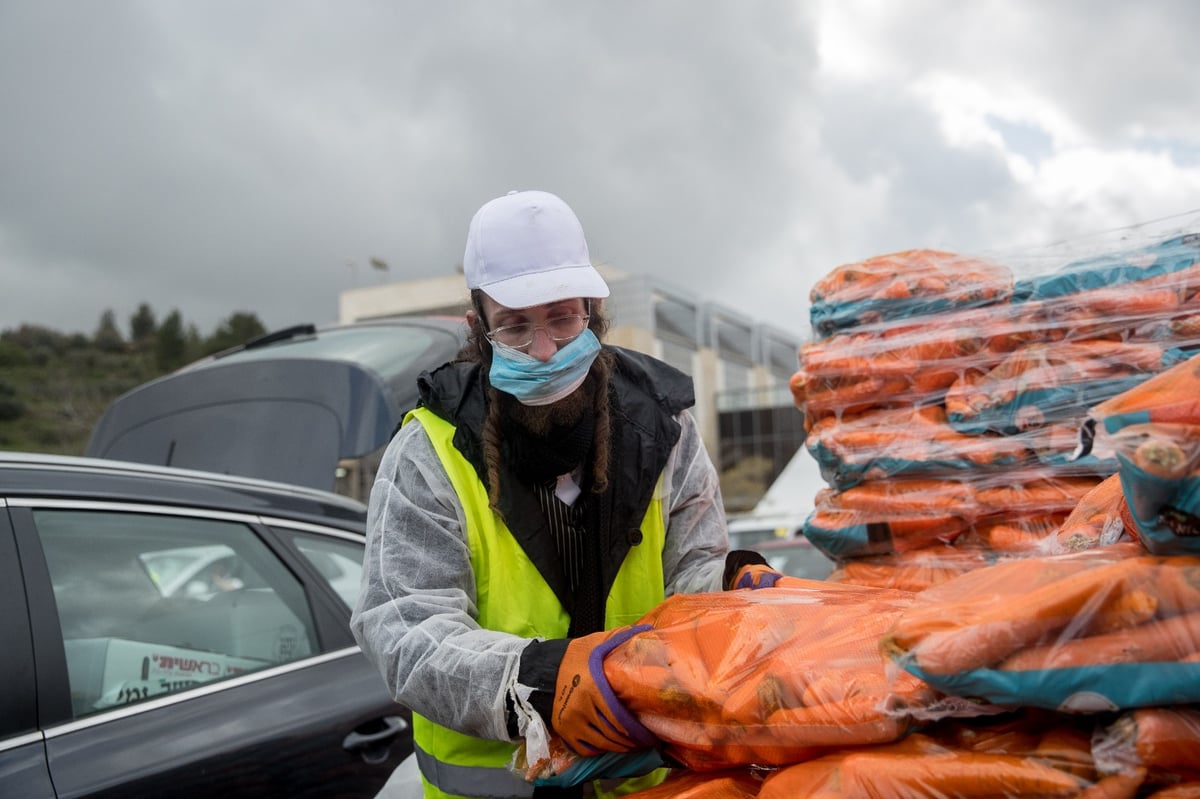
(54, 386)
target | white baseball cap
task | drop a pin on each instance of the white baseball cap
(527, 248)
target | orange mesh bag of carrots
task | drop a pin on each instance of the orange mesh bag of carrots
(914, 570)
(1157, 259)
(892, 364)
(1170, 396)
(1158, 307)
(1044, 383)
(1031, 492)
(902, 285)
(1101, 629)
(1096, 520)
(1160, 480)
(767, 677)
(920, 766)
(905, 442)
(902, 514)
(1015, 534)
(884, 516)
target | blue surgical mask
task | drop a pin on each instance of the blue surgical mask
(535, 382)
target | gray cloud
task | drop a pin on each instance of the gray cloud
(225, 156)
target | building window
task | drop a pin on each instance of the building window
(734, 376)
(782, 357)
(675, 320)
(733, 340)
(679, 356)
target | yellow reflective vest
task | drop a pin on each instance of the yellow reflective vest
(513, 597)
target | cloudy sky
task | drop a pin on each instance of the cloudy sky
(215, 156)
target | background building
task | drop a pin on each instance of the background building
(748, 420)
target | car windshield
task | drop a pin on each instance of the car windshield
(388, 350)
(798, 558)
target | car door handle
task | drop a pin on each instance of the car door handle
(392, 726)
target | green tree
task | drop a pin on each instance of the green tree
(11, 406)
(142, 325)
(12, 354)
(107, 337)
(170, 345)
(239, 328)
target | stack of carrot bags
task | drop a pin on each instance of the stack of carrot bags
(944, 395)
(1025, 618)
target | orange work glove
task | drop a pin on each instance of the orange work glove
(755, 576)
(588, 716)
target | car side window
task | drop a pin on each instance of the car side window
(153, 604)
(339, 561)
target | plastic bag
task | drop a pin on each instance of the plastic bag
(767, 677)
(904, 284)
(1098, 630)
(1156, 738)
(1160, 477)
(920, 766)
(1172, 396)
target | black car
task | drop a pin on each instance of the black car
(302, 405)
(176, 633)
(797, 557)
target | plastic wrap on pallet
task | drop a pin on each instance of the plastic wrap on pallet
(921, 442)
(1045, 383)
(931, 365)
(1172, 396)
(1156, 264)
(902, 514)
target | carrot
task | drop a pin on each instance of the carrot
(1165, 640)
(1035, 495)
(1162, 737)
(853, 395)
(729, 784)
(1176, 582)
(1006, 533)
(721, 679)
(1068, 749)
(858, 532)
(1016, 588)
(919, 272)
(914, 570)
(915, 435)
(898, 771)
(1123, 785)
(996, 631)
(1049, 366)
(1016, 733)
(1161, 458)
(1184, 790)
(900, 496)
(1102, 514)
(1172, 395)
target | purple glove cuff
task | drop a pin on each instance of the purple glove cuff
(633, 727)
(765, 580)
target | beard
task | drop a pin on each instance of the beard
(542, 421)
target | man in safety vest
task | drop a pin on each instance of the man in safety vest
(548, 491)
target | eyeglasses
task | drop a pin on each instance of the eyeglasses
(559, 329)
